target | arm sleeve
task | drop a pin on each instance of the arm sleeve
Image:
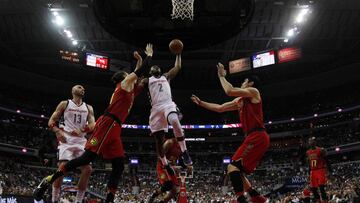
(144, 67)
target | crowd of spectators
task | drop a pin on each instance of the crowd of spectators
(343, 185)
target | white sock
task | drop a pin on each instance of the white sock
(80, 196)
(55, 195)
(164, 161)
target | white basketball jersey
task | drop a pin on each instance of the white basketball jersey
(74, 117)
(160, 91)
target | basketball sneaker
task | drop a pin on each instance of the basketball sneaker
(41, 188)
(186, 158)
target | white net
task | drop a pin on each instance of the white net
(183, 9)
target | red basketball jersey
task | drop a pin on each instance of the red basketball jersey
(121, 102)
(251, 115)
(316, 159)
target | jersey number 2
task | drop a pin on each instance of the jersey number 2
(77, 118)
(160, 88)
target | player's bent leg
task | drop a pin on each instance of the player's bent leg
(83, 182)
(159, 141)
(324, 197)
(114, 179)
(314, 190)
(173, 119)
(235, 176)
(84, 159)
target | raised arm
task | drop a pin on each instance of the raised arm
(234, 91)
(175, 70)
(139, 60)
(132, 77)
(227, 106)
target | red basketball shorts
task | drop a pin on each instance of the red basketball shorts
(252, 150)
(105, 139)
(318, 177)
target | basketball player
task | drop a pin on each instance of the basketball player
(317, 162)
(105, 139)
(169, 183)
(164, 111)
(77, 120)
(249, 104)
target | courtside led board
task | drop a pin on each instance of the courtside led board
(263, 59)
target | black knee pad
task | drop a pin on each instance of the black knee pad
(236, 181)
(323, 193)
(315, 193)
(117, 169)
(167, 186)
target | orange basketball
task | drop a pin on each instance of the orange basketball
(176, 46)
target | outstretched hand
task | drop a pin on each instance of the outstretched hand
(221, 70)
(149, 49)
(195, 99)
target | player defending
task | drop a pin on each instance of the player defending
(249, 104)
(164, 111)
(77, 118)
(106, 139)
(317, 163)
(169, 183)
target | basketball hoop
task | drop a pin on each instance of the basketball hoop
(183, 9)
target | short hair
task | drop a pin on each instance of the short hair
(118, 77)
(256, 80)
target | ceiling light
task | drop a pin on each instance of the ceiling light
(291, 33)
(74, 42)
(286, 40)
(58, 20)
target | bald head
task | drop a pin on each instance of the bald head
(78, 91)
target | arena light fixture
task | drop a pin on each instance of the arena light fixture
(286, 40)
(18, 111)
(55, 13)
(270, 122)
(339, 110)
(42, 116)
(291, 32)
(315, 115)
(292, 119)
(24, 150)
(69, 34)
(74, 42)
(337, 149)
(58, 20)
(301, 16)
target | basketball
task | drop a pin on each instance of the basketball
(176, 46)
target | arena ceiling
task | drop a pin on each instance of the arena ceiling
(330, 35)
